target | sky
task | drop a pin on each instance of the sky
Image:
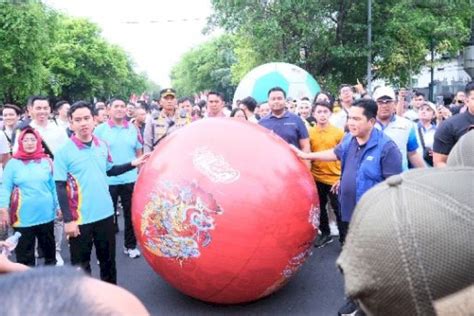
(156, 33)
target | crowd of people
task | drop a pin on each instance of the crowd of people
(71, 171)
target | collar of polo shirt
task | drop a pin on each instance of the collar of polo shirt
(112, 123)
(80, 144)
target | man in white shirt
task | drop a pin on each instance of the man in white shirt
(346, 97)
(412, 114)
(54, 137)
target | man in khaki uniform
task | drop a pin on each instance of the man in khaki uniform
(169, 119)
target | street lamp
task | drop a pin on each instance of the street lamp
(369, 46)
(431, 85)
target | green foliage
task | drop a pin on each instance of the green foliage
(25, 38)
(206, 67)
(84, 65)
(414, 27)
(49, 53)
(246, 59)
(334, 33)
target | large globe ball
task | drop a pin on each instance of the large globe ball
(297, 82)
(224, 211)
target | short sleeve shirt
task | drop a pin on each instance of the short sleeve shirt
(403, 132)
(449, 132)
(290, 127)
(84, 168)
(327, 172)
(53, 135)
(123, 142)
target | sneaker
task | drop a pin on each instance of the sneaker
(349, 308)
(132, 253)
(59, 260)
(333, 228)
(323, 240)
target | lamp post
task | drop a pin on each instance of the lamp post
(369, 46)
(431, 85)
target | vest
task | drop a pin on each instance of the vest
(369, 171)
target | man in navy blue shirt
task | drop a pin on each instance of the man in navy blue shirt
(285, 124)
(367, 157)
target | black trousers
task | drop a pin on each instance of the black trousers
(343, 232)
(101, 234)
(125, 192)
(325, 195)
(25, 250)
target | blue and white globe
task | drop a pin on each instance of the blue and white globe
(297, 82)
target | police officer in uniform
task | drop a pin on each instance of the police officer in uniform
(167, 120)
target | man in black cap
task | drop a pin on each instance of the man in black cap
(160, 125)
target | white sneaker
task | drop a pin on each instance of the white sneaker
(333, 228)
(59, 260)
(132, 253)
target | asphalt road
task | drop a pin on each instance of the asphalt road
(317, 289)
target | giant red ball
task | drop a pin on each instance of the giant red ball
(224, 211)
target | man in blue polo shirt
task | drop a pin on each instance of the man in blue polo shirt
(81, 168)
(125, 144)
(285, 124)
(367, 157)
(401, 130)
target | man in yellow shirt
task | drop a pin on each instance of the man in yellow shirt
(325, 136)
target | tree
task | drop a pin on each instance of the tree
(25, 37)
(153, 89)
(333, 33)
(416, 27)
(44, 52)
(206, 67)
(83, 65)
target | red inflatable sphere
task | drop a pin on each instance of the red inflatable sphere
(224, 211)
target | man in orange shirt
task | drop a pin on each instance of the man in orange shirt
(325, 136)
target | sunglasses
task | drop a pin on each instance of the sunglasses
(387, 101)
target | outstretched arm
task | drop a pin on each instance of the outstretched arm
(119, 169)
(325, 155)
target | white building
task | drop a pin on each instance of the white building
(446, 73)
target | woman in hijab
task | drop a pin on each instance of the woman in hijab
(28, 200)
